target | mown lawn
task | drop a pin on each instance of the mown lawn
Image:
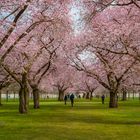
(87, 120)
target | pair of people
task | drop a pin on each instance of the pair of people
(71, 99)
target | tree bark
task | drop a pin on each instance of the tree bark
(60, 96)
(36, 97)
(87, 95)
(124, 98)
(23, 96)
(84, 95)
(91, 96)
(14, 96)
(7, 96)
(23, 100)
(113, 103)
(133, 95)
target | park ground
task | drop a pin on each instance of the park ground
(87, 120)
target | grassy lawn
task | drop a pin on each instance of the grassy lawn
(87, 120)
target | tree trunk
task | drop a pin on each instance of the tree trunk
(91, 96)
(84, 95)
(23, 96)
(113, 103)
(60, 96)
(14, 96)
(87, 95)
(133, 95)
(124, 98)
(36, 97)
(23, 100)
(7, 96)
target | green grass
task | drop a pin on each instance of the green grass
(87, 120)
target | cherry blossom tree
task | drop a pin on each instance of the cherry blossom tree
(29, 23)
(106, 34)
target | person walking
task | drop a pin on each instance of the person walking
(65, 99)
(103, 99)
(72, 99)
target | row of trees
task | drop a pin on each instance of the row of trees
(39, 47)
(108, 50)
(31, 32)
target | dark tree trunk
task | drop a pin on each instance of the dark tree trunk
(87, 95)
(60, 96)
(36, 97)
(113, 103)
(83, 95)
(91, 96)
(23, 96)
(124, 97)
(14, 96)
(23, 100)
(7, 96)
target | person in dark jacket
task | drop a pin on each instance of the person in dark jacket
(65, 99)
(72, 99)
(103, 99)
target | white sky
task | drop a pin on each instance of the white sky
(76, 15)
